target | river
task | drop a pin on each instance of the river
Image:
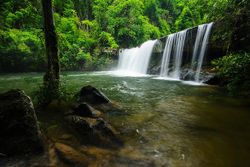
(170, 122)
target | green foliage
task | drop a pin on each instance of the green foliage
(185, 20)
(128, 24)
(74, 43)
(18, 14)
(108, 40)
(21, 50)
(101, 62)
(89, 31)
(234, 69)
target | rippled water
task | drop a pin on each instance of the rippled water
(173, 123)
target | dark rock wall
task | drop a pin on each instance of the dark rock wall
(217, 47)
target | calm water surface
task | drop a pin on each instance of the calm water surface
(169, 122)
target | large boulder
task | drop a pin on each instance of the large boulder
(97, 99)
(94, 131)
(92, 95)
(19, 131)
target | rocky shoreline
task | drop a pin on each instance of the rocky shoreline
(88, 139)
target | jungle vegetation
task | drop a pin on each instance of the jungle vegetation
(91, 31)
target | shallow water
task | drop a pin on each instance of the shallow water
(173, 123)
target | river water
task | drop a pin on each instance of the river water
(170, 122)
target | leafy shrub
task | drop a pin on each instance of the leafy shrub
(46, 94)
(235, 70)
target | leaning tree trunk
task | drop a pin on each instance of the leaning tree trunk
(51, 78)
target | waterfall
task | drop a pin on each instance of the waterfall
(174, 45)
(174, 49)
(199, 37)
(135, 60)
(200, 47)
(166, 56)
(174, 65)
(180, 41)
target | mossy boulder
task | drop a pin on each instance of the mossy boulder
(19, 130)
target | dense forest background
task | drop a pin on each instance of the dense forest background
(91, 31)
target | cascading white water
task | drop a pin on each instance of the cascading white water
(166, 56)
(202, 52)
(200, 47)
(180, 41)
(135, 61)
(173, 52)
(174, 44)
(198, 41)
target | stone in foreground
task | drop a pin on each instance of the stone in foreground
(19, 131)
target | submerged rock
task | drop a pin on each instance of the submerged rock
(124, 158)
(70, 156)
(98, 157)
(19, 131)
(94, 131)
(130, 161)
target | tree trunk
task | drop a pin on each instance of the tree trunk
(51, 78)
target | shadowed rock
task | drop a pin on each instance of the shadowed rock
(97, 100)
(19, 132)
(215, 80)
(84, 110)
(92, 95)
(70, 156)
